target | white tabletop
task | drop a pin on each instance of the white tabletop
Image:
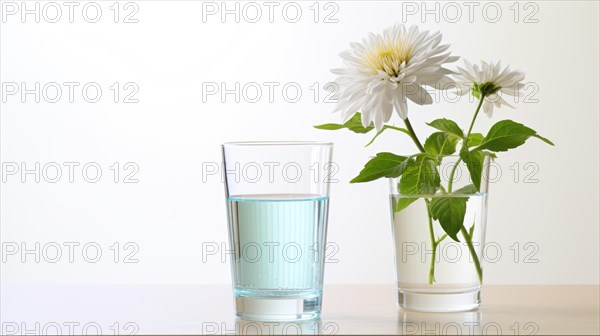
(347, 309)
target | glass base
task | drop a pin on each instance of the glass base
(277, 309)
(439, 302)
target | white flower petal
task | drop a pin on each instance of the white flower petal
(377, 68)
(375, 84)
(400, 106)
(501, 101)
(488, 108)
(378, 117)
(409, 79)
(508, 81)
(418, 95)
(387, 108)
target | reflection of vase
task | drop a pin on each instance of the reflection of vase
(447, 278)
(458, 323)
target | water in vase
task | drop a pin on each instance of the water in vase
(454, 272)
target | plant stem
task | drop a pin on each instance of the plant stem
(452, 175)
(413, 135)
(469, 241)
(433, 244)
(475, 116)
(464, 232)
(465, 140)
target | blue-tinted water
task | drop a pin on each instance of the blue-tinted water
(278, 242)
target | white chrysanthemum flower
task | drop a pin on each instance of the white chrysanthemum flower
(490, 79)
(385, 69)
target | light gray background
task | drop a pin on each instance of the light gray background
(171, 132)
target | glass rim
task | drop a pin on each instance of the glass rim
(438, 195)
(451, 156)
(415, 154)
(276, 143)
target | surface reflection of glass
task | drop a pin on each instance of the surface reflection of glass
(416, 323)
(311, 327)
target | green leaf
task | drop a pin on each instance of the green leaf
(354, 124)
(475, 139)
(404, 202)
(543, 139)
(474, 161)
(387, 127)
(329, 127)
(382, 165)
(448, 126)
(441, 143)
(507, 134)
(420, 177)
(471, 231)
(469, 189)
(450, 213)
(490, 154)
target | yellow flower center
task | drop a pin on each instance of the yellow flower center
(388, 55)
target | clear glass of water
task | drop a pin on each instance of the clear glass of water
(277, 203)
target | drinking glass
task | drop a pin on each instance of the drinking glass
(277, 204)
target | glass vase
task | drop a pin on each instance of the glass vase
(435, 273)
